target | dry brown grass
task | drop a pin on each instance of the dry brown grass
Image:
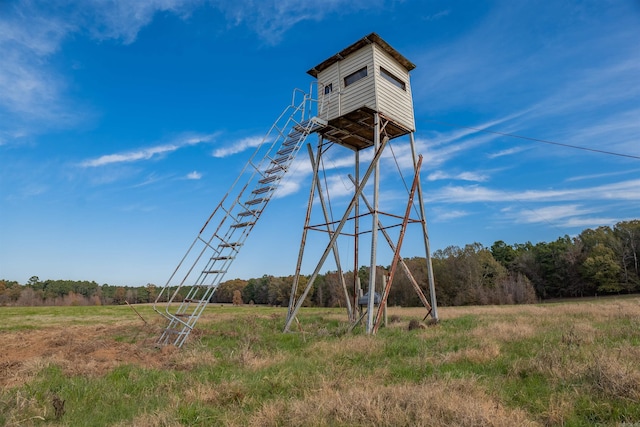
(559, 409)
(442, 402)
(483, 352)
(349, 346)
(614, 377)
(225, 393)
(160, 418)
(78, 350)
(500, 331)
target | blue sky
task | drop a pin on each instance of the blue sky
(122, 123)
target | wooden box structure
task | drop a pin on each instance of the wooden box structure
(367, 77)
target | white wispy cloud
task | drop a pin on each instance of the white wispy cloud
(271, 19)
(195, 175)
(145, 153)
(238, 146)
(123, 19)
(624, 190)
(602, 175)
(438, 15)
(462, 176)
(151, 178)
(33, 93)
(441, 147)
(507, 152)
(550, 213)
(442, 215)
(565, 215)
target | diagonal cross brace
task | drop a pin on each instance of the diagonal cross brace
(336, 233)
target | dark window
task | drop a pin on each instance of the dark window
(328, 89)
(396, 81)
(354, 77)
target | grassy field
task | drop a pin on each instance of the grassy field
(569, 363)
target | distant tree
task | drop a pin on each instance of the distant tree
(514, 289)
(9, 292)
(249, 291)
(333, 290)
(3, 288)
(471, 275)
(257, 290)
(279, 289)
(237, 297)
(152, 292)
(318, 296)
(225, 291)
(119, 295)
(503, 253)
(601, 269)
(142, 295)
(302, 284)
(29, 298)
(627, 234)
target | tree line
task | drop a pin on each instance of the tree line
(598, 261)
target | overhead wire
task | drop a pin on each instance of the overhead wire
(594, 150)
(545, 141)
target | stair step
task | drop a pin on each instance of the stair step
(214, 271)
(278, 168)
(287, 150)
(268, 179)
(255, 201)
(263, 190)
(280, 160)
(230, 245)
(243, 224)
(221, 258)
(194, 300)
(251, 212)
(291, 141)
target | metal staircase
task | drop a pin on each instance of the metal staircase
(194, 281)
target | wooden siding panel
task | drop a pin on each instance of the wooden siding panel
(361, 93)
(393, 101)
(361, 58)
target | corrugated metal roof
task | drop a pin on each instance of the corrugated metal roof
(371, 38)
